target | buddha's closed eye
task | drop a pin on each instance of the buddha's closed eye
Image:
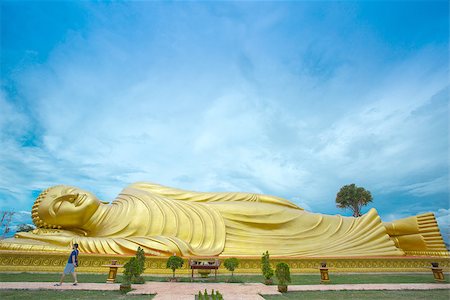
(69, 198)
(58, 202)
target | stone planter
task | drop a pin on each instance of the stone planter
(204, 272)
(282, 288)
(125, 287)
(268, 281)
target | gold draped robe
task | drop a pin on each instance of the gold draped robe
(164, 221)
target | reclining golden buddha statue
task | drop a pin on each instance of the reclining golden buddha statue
(164, 221)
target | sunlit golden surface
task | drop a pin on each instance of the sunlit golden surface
(164, 221)
(18, 261)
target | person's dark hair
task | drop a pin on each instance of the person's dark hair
(75, 245)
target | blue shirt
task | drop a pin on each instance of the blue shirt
(74, 253)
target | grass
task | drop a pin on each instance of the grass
(296, 279)
(331, 295)
(50, 277)
(68, 295)
(367, 278)
(376, 295)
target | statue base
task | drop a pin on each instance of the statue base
(18, 261)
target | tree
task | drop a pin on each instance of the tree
(231, 264)
(140, 257)
(266, 268)
(131, 270)
(25, 228)
(6, 217)
(353, 197)
(174, 262)
(283, 275)
(134, 268)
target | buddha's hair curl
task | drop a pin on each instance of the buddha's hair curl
(35, 214)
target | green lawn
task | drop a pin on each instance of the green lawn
(50, 277)
(68, 295)
(296, 279)
(376, 295)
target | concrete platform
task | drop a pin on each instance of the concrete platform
(230, 291)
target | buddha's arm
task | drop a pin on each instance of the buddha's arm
(47, 241)
(39, 240)
(154, 245)
(184, 195)
(30, 245)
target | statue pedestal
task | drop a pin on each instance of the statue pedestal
(33, 261)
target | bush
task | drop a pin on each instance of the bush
(130, 270)
(140, 256)
(134, 268)
(174, 262)
(214, 295)
(265, 266)
(231, 264)
(283, 274)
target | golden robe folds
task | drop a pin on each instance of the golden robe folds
(164, 221)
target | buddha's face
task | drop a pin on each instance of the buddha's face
(67, 206)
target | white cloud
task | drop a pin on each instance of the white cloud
(234, 108)
(438, 185)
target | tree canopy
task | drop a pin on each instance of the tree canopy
(231, 264)
(353, 197)
(25, 228)
(174, 262)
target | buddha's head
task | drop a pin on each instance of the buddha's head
(64, 207)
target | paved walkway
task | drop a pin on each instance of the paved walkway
(235, 291)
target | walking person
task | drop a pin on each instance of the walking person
(72, 263)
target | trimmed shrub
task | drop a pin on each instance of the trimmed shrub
(283, 275)
(174, 262)
(265, 267)
(231, 264)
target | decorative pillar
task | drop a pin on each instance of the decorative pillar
(112, 271)
(324, 276)
(437, 272)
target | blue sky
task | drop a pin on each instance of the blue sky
(294, 99)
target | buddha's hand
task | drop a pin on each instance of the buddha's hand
(29, 245)
(53, 232)
(55, 237)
